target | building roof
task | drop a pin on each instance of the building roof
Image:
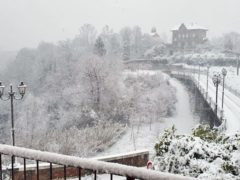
(190, 26)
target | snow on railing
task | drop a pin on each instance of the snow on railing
(82, 163)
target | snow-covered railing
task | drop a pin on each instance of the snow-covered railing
(80, 163)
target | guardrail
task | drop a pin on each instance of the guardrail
(80, 164)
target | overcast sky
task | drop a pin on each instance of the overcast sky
(25, 23)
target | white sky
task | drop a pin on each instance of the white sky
(24, 23)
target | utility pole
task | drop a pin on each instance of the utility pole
(224, 73)
(207, 81)
(238, 64)
(199, 75)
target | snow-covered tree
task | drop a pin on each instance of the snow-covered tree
(114, 42)
(126, 43)
(99, 47)
(137, 41)
(228, 44)
(87, 36)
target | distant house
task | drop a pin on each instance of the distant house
(188, 36)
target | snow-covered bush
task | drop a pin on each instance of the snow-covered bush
(206, 154)
(205, 133)
(152, 97)
(155, 51)
(165, 141)
(83, 142)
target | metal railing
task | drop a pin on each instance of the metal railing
(64, 161)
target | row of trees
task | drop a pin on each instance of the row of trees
(128, 43)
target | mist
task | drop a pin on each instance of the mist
(26, 23)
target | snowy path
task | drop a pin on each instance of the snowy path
(231, 105)
(138, 138)
(184, 119)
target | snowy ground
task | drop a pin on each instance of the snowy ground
(145, 137)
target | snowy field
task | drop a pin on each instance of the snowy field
(146, 135)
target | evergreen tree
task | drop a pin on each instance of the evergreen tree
(126, 40)
(137, 41)
(99, 47)
(228, 44)
(126, 50)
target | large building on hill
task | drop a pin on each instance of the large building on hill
(188, 36)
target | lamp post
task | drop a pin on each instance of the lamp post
(11, 96)
(208, 67)
(224, 73)
(216, 81)
(238, 57)
(199, 74)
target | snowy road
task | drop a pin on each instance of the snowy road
(231, 105)
(138, 138)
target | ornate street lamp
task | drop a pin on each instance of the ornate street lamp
(224, 73)
(11, 95)
(216, 81)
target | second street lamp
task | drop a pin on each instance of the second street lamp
(216, 81)
(224, 73)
